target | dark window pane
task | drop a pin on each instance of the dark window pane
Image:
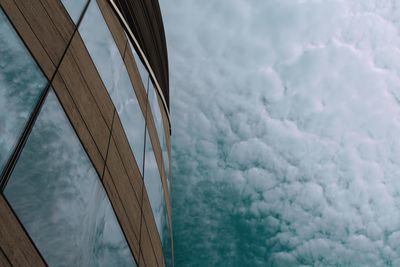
(21, 83)
(58, 196)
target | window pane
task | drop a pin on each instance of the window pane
(21, 83)
(74, 8)
(109, 63)
(142, 69)
(152, 181)
(58, 196)
(153, 184)
(155, 109)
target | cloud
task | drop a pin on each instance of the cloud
(285, 125)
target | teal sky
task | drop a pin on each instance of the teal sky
(285, 132)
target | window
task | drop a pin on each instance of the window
(152, 181)
(21, 84)
(142, 69)
(74, 8)
(112, 70)
(155, 109)
(57, 195)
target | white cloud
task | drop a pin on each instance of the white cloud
(285, 122)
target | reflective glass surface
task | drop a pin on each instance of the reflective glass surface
(74, 8)
(109, 63)
(58, 196)
(155, 109)
(153, 185)
(142, 69)
(21, 83)
(152, 181)
(154, 106)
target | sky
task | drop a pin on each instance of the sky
(285, 131)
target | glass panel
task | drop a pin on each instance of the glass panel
(58, 196)
(155, 109)
(142, 69)
(153, 184)
(21, 83)
(74, 8)
(160, 127)
(109, 63)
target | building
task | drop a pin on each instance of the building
(84, 134)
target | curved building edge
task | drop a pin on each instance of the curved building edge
(135, 20)
(85, 155)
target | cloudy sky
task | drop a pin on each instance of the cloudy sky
(286, 131)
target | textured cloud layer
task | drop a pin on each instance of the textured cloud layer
(286, 131)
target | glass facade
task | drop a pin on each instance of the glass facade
(21, 84)
(155, 108)
(60, 200)
(156, 196)
(151, 173)
(53, 188)
(106, 56)
(112, 70)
